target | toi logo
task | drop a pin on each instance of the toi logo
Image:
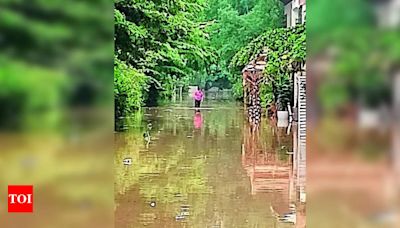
(20, 198)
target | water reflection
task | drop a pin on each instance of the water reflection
(270, 158)
(68, 168)
(203, 169)
(198, 120)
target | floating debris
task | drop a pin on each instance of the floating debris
(127, 161)
(288, 218)
(153, 204)
(185, 213)
(185, 210)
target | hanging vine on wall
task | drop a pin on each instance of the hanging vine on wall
(286, 52)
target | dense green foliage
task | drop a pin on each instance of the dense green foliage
(234, 27)
(235, 24)
(360, 72)
(129, 88)
(163, 40)
(361, 57)
(53, 55)
(286, 52)
(27, 102)
(185, 42)
(323, 16)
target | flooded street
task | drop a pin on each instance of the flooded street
(178, 168)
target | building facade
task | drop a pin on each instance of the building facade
(295, 12)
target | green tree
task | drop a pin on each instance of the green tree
(235, 24)
(59, 52)
(162, 39)
(286, 51)
(177, 43)
(129, 88)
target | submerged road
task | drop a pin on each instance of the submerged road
(202, 169)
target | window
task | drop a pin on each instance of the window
(300, 17)
(285, 20)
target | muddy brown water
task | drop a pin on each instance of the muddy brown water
(201, 169)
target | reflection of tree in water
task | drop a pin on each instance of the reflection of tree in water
(170, 176)
(265, 159)
(163, 178)
(195, 167)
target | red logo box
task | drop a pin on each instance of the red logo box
(20, 198)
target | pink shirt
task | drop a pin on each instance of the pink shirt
(198, 95)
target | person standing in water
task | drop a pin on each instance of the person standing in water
(198, 97)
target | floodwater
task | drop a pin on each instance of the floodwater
(204, 169)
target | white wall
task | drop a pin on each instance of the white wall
(288, 13)
(388, 13)
(292, 12)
